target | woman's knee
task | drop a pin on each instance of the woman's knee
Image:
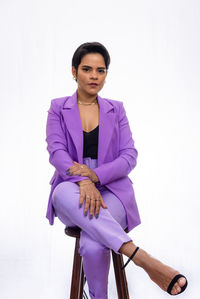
(64, 193)
(115, 207)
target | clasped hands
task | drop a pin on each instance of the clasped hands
(88, 191)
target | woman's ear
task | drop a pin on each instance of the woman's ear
(74, 72)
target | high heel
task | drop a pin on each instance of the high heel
(173, 281)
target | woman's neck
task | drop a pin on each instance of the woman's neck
(86, 98)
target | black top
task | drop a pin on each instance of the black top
(90, 143)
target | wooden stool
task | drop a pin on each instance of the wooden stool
(77, 280)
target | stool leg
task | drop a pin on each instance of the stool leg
(120, 276)
(81, 282)
(77, 274)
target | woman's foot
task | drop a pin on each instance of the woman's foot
(160, 273)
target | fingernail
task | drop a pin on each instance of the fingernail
(67, 169)
(80, 206)
(97, 215)
(70, 173)
(79, 174)
(91, 216)
(85, 213)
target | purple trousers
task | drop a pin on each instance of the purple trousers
(98, 236)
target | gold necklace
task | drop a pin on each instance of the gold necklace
(95, 102)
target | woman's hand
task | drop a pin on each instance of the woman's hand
(82, 170)
(92, 197)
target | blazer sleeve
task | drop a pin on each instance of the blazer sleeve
(126, 160)
(57, 144)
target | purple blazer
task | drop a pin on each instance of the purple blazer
(116, 152)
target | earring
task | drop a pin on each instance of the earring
(74, 78)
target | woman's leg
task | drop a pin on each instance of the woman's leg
(105, 229)
(158, 272)
(96, 265)
(96, 257)
(97, 236)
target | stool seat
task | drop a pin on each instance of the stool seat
(78, 277)
(73, 231)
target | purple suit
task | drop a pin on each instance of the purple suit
(116, 152)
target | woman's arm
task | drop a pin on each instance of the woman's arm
(57, 145)
(126, 161)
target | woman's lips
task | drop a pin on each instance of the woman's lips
(93, 84)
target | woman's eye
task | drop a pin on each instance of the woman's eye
(85, 69)
(102, 71)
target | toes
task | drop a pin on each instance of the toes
(176, 289)
(181, 281)
(178, 285)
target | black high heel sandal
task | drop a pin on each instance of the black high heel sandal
(174, 280)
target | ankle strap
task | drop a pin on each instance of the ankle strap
(130, 258)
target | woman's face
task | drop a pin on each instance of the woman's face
(91, 74)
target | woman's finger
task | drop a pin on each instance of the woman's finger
(82, 197)
(103, 203)
(92, 207)
(77, 172)
(87, 204)
(74, 171)
(97, 207)
(73, 168)
(85, 173)
(81, 173)
(69, 171)
(76, 163)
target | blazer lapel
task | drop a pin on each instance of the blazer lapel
(72, 120)
(107, 119)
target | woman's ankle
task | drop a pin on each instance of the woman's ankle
(127, 248)
(140, 259)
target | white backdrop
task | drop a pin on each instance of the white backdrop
(154, 47)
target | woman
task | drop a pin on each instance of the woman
(91, 147)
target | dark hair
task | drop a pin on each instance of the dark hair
(86, 48)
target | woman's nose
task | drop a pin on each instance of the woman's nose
(93, 74)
